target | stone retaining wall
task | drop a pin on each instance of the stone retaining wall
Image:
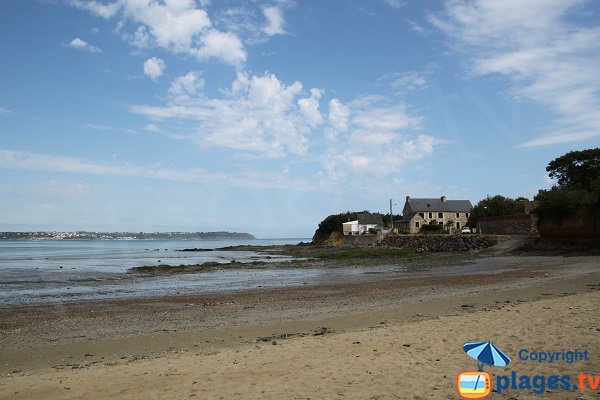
(439, 243)
(523, 224)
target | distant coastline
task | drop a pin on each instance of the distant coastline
(84, 235)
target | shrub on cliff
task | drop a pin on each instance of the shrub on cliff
(497, 205)
(577, 174)
(333, 223)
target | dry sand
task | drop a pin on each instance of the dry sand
(391, 339)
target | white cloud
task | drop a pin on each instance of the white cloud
(187, 85)
(246, 178)
(407, 81)
(140, 38)
(275, 21)
(178, 26)
(309, 107)
(548, 59)
(103, 10)
(151, 128)
(376, 154)
(415, 26)
(382, 117)
(81, 44)
(173, 24)
(261, 118)
(154, 68)
(338, 118)
(108, 128)
(28, 160)
(370, 139)
(223, 45)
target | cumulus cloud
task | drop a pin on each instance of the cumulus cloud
(309, 108)
(178, 26)
(104, 10)
(275, 21)
(81, 44)
(154, 68)
(338, 119)
(262, 117)
(372, 139)
(187, 85)
(377, 154)
(223, 45)
(549, 60)
(140, 38)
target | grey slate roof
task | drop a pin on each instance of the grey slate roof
(407, 217)
(369, 219)
(437, 205)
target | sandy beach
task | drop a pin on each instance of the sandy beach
(382, 338)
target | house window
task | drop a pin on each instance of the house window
(458, 225)
(430, 215)
(457, 215)
(417, 224)
(467, 215)
(440, 222)
(440, 215)
(422, 215)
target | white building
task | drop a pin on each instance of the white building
(364, 224)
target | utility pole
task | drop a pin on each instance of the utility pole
(391, 216)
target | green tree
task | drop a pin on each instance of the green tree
(578, 185)
(576, 168)
(497, 205)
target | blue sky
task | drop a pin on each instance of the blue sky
(266, 116)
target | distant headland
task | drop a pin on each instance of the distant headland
(84, 235)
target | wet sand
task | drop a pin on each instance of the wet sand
(386, 337)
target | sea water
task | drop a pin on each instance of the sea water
(42, 271)
(55, 271)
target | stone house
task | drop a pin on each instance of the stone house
(436, 211)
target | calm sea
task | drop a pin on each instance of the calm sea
(47, 271)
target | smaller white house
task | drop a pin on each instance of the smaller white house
(364, 224)
(350, 228)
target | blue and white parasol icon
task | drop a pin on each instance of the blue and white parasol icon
(486, 353)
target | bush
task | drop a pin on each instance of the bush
(578, 177)
(495, 206)
(432, 228)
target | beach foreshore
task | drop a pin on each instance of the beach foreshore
(378, 338)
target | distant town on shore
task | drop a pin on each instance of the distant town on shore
(84, 235)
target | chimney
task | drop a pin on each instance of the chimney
(443, 199)
(407, 198)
